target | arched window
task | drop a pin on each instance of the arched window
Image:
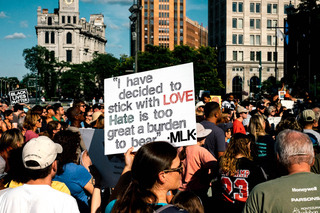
(52, 37)
(69, 38)
(46, 39)
(237, 86)
(49, 20)
(254, 83)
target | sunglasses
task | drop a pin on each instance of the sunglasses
(39, 120)
(178, 169)
(83, 105)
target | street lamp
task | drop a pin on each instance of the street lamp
(135, 21)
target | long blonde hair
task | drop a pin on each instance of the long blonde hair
(239, 144)
(256, 126)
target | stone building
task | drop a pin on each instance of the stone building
(248, 35)
(67, 37)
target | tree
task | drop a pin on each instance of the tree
(42, 63)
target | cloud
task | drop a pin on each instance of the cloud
(123, 2)
(113, 26)
(114, 46)
(15, 36)
(126, 25)
(3, 15)
(24, 24)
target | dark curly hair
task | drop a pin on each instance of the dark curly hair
(70, 142)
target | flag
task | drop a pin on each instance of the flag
(280, 34)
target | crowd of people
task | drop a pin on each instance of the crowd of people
(250, 156)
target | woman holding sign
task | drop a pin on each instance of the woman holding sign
(156, 169)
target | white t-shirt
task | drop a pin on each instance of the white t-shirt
(37, 199)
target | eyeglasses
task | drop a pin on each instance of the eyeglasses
(83, 105)
(178, 169)
(89, 115)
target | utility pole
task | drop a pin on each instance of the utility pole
(275, 55)
(135, 20)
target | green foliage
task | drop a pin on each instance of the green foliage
(40, 61)
(86, 80)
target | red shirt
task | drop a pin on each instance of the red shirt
(238, 127)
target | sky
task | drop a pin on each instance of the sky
(19, 18)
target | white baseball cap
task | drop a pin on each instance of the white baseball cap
(202, 132)
(41, 150)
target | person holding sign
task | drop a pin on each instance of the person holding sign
(156, 169)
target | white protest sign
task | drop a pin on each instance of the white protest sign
(287, 103)
(19, 96)
(150, 106)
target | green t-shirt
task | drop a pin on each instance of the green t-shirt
(294, 193)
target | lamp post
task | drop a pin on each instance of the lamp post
(135, 34)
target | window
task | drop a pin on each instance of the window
(74, 19)
(274, 23)
(234, 6)
(252, 39)
(69, 38)
(275, 56)
(269, 8)
(257, 7)
(258, 56)
(257, 39)
(240, 56)
(240, 23)
(258, 24)
(235, 55)
(46, 39)
(234, 39)
(63, 19)
(275, 8)
(49, 20)
(252, 55)
(52, 37)
(234, 23)
(69, 19)
(269, 24)
(269, 56)
(251, 7)
(240, 39)
(240, 7)
(251, 23)
(69, 55)
(269, 40)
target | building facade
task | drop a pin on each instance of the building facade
(248, 35)
(161, 23)
(197, 35)
(67, 37)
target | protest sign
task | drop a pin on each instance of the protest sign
(216, 98)
(19, 96)
(150, 106)
(109, 166)
(273, 121)
(281, 94)
(287, 103)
